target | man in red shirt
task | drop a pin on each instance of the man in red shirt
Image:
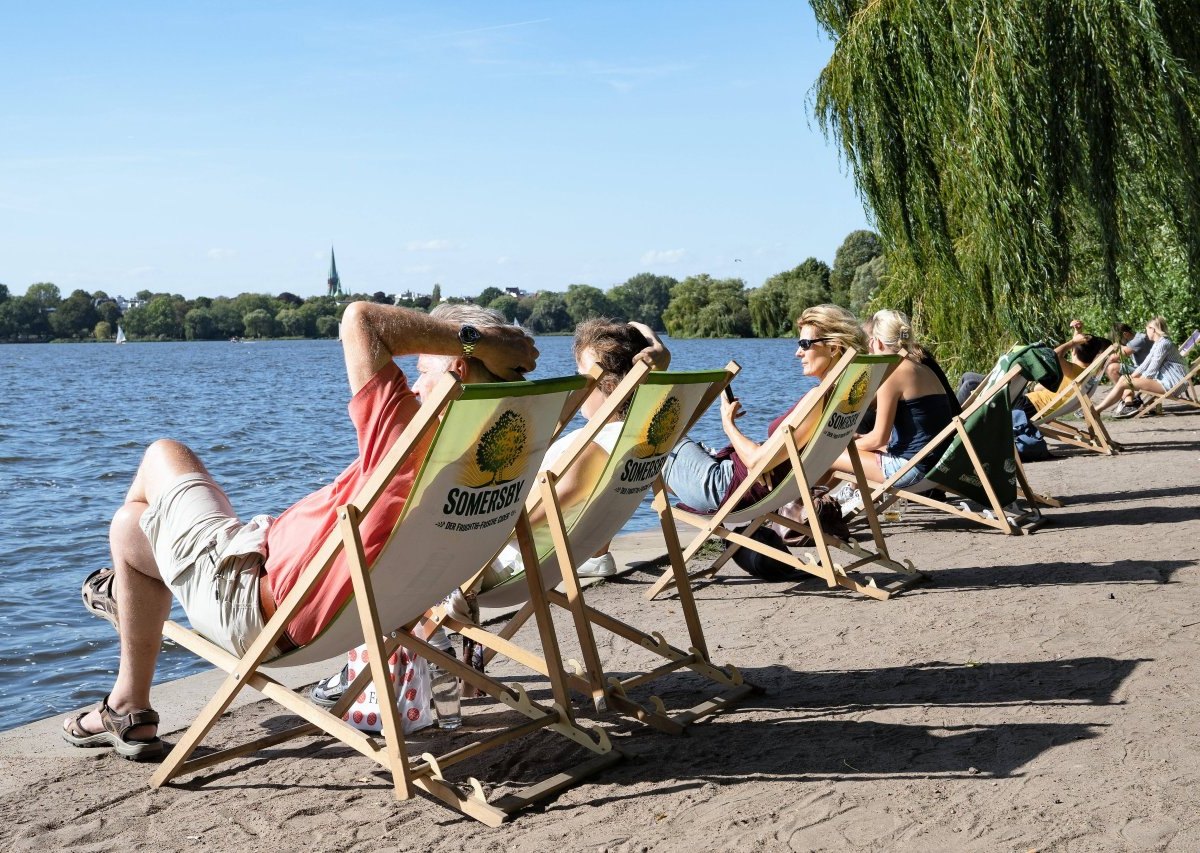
(177, 534)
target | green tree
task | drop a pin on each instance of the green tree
(103, 331)
(45, 294)
(858, 248)
(783, 297)
(75, 317)
(506, 305)
(23, 318)
(704, 307)
(3, 292)
(199, 325)
(109, 311)
(327, 326)
(227, 318)
(549, 314)
(501, 445)
(868, 278)
(1015, 153)
(643, 298)
(436, 296)
(162, 321)
(487, 296)
(259, 323)
(291, 323)
(585, 302)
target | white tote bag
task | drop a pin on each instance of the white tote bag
(409, 674)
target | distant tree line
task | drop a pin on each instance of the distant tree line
(699, 306)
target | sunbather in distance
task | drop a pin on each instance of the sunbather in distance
(178, 535)
(1162, 368)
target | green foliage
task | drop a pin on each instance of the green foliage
(549, 314)
(75, 317)
(585, 302)
(436, 296)
(643, 298)
(291, 323)
(327, 326)
(3, 292)
(660, 434)
(44, 293)
(488, 295)
(775, 306)
(868, 278)
(507, 305)
(858, 248)
(502, 444)
(704, 307)
(259, 323)
(103, 331)
(199, 325)
(1021, 157)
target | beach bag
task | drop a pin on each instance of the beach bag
(414, 691)
(764, 567)
(1031, 446)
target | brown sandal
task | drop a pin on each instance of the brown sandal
(98, 595)
(116, 727)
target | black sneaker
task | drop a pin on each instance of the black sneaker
(328, 691)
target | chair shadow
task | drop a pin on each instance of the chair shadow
(1055, 574)
(1129, 496)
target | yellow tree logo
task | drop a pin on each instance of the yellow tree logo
(500, 453)
(858, 391)
(661, 431)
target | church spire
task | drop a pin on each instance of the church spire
(335, 283)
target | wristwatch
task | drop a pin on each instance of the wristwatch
(468, 336)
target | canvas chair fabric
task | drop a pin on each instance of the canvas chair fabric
(842, 399)
(486, 444)
(662, 406)
(1075, 396)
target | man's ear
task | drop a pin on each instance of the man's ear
(460, 366)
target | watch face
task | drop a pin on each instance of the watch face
(468, 334)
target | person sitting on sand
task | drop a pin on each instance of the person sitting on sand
(177, 534)
(1162, 368)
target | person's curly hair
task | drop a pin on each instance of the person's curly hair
(614, 346)
(837, 324)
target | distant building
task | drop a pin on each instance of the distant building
(515, 292)
(335, 283)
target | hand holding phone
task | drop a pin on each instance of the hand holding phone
(729, 393)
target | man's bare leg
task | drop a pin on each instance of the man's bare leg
(143, 600)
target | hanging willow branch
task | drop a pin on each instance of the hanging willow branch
(1015, 152)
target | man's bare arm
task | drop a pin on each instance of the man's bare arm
(372, 335)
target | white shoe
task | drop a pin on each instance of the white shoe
(603, 566)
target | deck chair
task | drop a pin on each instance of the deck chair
(843, 398)
(1181, 391)
(977, 458)
(1075, 396)
(661, 408)
(485, 443)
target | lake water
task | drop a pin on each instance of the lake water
(268, 419)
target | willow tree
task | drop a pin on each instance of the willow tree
(1021, 158)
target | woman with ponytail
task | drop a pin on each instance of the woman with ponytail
(912, 406)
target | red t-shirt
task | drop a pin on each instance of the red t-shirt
(380, 411)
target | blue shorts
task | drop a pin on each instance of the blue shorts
(890, 464)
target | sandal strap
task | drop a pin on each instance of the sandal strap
(120, 724)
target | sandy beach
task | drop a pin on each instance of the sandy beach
(1038, 694)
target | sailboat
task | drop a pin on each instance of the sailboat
(120, 334)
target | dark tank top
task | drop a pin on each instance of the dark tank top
(916, 422)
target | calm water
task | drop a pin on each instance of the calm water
(268, 419)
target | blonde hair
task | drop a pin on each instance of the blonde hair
(894, 331)
(1159, 325)
(837, 324)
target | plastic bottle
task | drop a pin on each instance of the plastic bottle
(447, 700)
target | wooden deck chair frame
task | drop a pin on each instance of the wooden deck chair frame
(365, 620)
(884, 494)
(1181, 391)
(1073, 396)
(581, 529)
(737, 526)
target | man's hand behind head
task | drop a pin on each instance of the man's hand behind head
(506, 351)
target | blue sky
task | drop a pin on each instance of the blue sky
(216, 148)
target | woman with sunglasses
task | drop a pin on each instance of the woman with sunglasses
(911, 407)
(702, 480)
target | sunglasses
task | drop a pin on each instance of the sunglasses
(807, 343)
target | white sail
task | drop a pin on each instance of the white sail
(120, 334)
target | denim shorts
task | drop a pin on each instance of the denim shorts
(695, 477)
(189, 527)
(891, 464)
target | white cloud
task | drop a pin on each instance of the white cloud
(429, 245)
(221, 254)
(663, 256)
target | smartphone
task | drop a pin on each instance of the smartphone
(729, 393)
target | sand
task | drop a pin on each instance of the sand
(1038, 694)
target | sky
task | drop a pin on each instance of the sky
(216, 148)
